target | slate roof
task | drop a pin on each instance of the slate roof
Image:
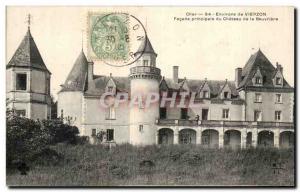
(146, 48)
(27, 55)
(196, 85)
(97, 87)
(77, 77)
(259, 60)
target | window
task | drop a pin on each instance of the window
(257, 80)
(163, 113)
(21, 113)
(278, 98)
(258, 97)
(145, 62)
(183, 114)
(21, 81)
(141, 128)
(225, 113)
(110, 89)
(111, 113)
(264, 79)
(110, 134)
(226, 95)
(93, 132)
(205, 94)
(277, 115)
(204, 114)
(257, 115)
(278, 81)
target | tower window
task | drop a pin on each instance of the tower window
(145, 62)
(21, 113)
(110, 89)
(111, 113)
(21, 81)
(278, 81)
(110, 134)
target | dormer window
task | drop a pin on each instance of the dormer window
(226, 95)
(258, 80)
(145, 62)
(205, 94)
(278, 81)
(110, 89)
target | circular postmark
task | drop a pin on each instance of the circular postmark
(115, 38)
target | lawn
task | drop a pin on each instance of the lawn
(125, 165)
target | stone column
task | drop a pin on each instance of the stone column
(221, 138)
(176, 136)
(244, 138)
(198, 136)
(276, 138)
(157, 137)
(254, 137)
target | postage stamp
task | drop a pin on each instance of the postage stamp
(114, 38)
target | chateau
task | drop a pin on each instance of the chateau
(254, 109)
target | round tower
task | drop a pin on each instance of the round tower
(144, 82)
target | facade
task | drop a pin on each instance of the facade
(28, 81)
(255, 109)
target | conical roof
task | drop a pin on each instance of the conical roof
(146, 47)
(27, 55)
(77, 76)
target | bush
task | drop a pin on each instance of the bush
(28, 140)
(24, 138)
(61, 132)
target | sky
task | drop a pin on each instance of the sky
(201, 49)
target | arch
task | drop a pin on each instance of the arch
(249, 140)
(286, 139)
(265, 139)
(165, 136)
(187, 136)
(210, 138)
(232, 139)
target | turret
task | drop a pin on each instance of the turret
(144, 82)
(28, 81)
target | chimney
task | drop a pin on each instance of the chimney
(238, 76)
(175, 74)
(279, 67)
(90, 71)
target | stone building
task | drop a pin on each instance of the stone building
(28, 82)
(256, 108)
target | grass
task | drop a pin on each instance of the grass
(125, 165)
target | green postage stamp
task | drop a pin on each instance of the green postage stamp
(109, 38)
